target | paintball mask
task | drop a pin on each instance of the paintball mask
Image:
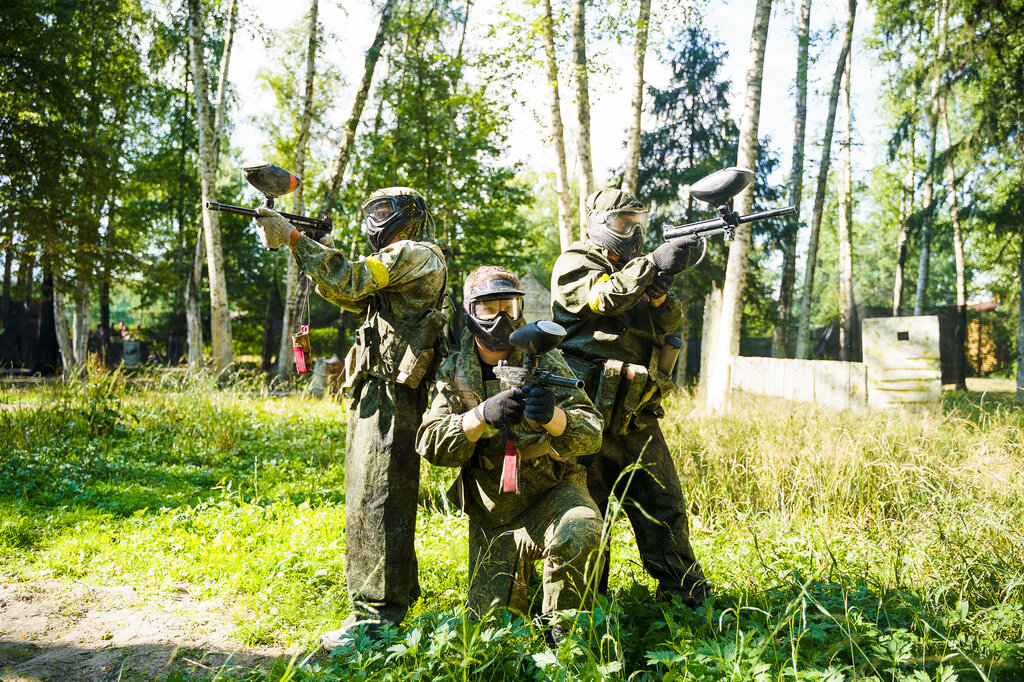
(393, 213)
(616, 221)
(493, 310)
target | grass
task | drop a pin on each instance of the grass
(842, 546)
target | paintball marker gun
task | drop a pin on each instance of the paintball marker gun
(534, 340)
(717, 189)
(273, 181)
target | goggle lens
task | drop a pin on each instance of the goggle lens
(489, 309)
(379, 210)
(626, 223)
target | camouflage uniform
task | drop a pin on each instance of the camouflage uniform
(552, 517)
(400, 288)
(611, 324)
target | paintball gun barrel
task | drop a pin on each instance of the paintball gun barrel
(273, 181)
(717, 189)
(534, 340)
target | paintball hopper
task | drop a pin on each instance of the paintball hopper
(537, 337)
(717, 188)
(271, 180)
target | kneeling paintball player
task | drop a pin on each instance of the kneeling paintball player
(400, 287)
(520, 484)
(617, 308)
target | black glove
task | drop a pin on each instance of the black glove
(661, 285)
(540, 404)
(506, 408)
(673, 257)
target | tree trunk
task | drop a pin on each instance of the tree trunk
(7, 335)
(579, 53)
(685, 292)
(708, 338)
(958, 255)
(780, 339)
(220, 321)
(803, 331)
(220, 108)
(924, 264)
(728, 336)
(927, 199)
(565, 226)
(193, 309)
(632, 171)
(80, 323)
(67, 354)
(906, 211)
(447, 226)
(348, 136)
(274, 305)
(47, 351)
(26, 273)
(288, 324)
(23, 344)
(847, 306)
(104, 335)
(179, 325)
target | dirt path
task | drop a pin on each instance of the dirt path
(61, 631)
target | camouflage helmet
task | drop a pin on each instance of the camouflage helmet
(616, 221)
(394, 213)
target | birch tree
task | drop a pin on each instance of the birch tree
(632, 171)
(958, 251)
(348, 135)
(288, 322)
(847, 305)
(928, 197)
(780, 339)
(585, 168)
(803, 332)
(209, 136)
(906, 211)
(728, 336)
(565, 226)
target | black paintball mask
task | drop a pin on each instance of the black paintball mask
(493, 310)
(616, 221)
(394, 213)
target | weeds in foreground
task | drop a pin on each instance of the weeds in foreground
(841, 546)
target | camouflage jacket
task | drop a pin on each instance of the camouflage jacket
(545, 460)
(401, 288)
(611, 323)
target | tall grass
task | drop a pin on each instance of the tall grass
(841, 546)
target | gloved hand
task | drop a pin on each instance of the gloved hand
(673, 257)
(505, 409)
(661, 285)
(273, 230)
(540, 404)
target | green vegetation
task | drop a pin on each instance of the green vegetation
(842, 546)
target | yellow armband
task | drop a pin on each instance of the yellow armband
(379, 271)
(595, 292)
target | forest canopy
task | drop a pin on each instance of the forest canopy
(119, 119)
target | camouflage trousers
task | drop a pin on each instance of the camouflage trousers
(638, 469)
(382, 475)
(563, 528)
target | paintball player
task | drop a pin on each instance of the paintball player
(544, 511)
(616, 306)
(400, 287)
